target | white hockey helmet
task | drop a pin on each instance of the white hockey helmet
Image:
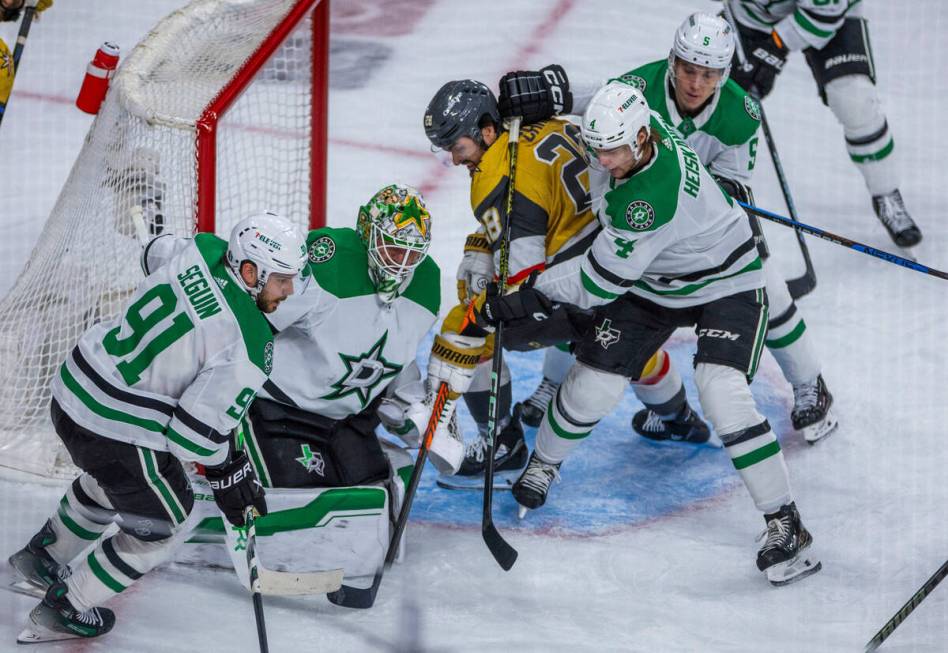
(615, 116)
(395, 228)
(705, 40)
(271, 243)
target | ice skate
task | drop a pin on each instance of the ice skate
(55, 618)
(686, 426)
(782, 556)
(813, 410)
(510, 455)
(35, 568)
(891, 211)
(531, 488)
(534, 407)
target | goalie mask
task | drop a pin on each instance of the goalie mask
(272, 244)
(703, 40)
(395, 228)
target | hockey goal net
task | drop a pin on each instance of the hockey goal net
(219, 112)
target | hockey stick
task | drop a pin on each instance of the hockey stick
(359, 597)
(906, 609)
(18, 48)
(255, 580)
(504, 554)
(845, 242)
(803, 285)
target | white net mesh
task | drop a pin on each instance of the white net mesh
(140, 157)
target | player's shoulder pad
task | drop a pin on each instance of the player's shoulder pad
(425, 286)
(338, 261)
(736, 117)
(254, 328)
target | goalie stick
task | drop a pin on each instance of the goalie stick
(805, 284)
(906, 609)
(364, 597)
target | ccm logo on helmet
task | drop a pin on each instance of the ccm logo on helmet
(718, 333)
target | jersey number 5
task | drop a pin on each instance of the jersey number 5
(143, 317)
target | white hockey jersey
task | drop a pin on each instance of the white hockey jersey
(670, 235)
(338, 347)
(800, 24)
(178, 369)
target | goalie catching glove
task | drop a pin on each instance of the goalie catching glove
(235, 487)
(535, 95)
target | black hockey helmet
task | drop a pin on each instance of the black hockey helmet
(458, 109)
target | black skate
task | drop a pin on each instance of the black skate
(890, 209)
(531, 488)
(55, 618)
(686, 426)
(534, 408)
(510, 455)
(782, 555)
(35, 567)
(812, 410)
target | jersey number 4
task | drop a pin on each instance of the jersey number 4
(143, 317)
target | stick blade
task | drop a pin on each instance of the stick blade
(801, 285)
(503, 553)
(284, 583)
(359, 598)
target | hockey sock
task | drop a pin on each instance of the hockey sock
(787, 337)
(660, 387)
(111, 567)
(556, 363)
(729, 406)
(585, 397)
(80, 519)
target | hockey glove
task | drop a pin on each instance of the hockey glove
(764, 63)
(476, 269)
(525, 303)
(235, 487)
(535, 95)
(743, 193)
(453, 359)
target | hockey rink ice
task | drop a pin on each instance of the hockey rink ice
(642, 547)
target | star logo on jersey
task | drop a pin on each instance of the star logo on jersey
(322, 249)
(312, 461)
(364, 373)
(752, 107)
(634, 80)
(640, 215)
(606, 335)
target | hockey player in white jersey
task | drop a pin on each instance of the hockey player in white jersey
(834, 38)
(674, 251)
(163, 383)
(690, 89)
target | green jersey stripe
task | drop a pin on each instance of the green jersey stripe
(692, 288)
(593, 288)
(808, 25)
(102, 410)
(158, 483)
(185, 443)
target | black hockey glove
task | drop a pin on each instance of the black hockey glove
(765, 60)
(235, 487)
(535, 95)
(743, 193)
(526, 303)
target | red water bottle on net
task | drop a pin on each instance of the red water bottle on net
(98, 73)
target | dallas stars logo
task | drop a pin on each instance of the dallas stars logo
(640, 215)
(606, 335)
(312, 461)
(364, 373)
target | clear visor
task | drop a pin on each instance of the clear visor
(442, 155)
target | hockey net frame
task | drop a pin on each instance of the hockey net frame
(180, 172)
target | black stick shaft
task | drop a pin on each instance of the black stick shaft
(255, 579)
(906, 609)
(18, 50)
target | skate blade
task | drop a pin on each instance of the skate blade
(502, 481)
(822, 429)
(35, 634)
(798, 568)
(26, 588)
